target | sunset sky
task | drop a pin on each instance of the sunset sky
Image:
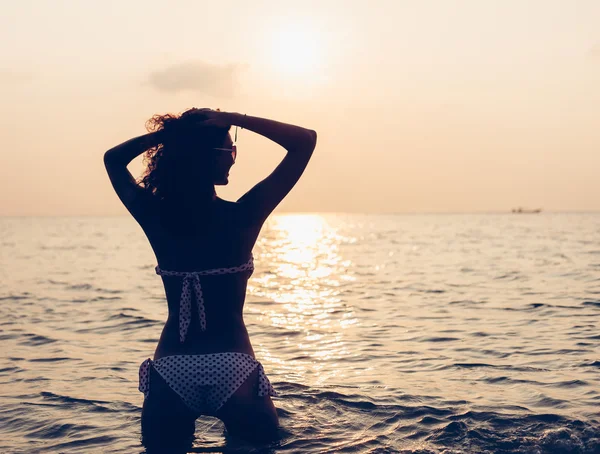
(420, 106)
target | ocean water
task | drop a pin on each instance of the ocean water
(382, 333)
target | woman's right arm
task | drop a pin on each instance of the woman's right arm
(116, 160)
(299, 143)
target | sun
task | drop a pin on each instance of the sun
(296, 50)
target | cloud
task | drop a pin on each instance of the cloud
(197, 76)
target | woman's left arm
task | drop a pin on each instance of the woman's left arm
(116, 160)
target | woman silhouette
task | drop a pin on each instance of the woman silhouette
(204, 363)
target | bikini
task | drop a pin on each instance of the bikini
(203, 382)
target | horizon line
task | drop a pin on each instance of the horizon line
(376, 213)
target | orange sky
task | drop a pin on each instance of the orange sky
(420, 106)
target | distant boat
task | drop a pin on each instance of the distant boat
(521, 210)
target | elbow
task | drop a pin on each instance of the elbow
(110, 158)
(312, 140)
(304, 143)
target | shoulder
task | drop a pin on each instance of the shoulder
(239, 214)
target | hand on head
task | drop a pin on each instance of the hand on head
(209, 117)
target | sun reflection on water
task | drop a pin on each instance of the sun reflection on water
(301, 269)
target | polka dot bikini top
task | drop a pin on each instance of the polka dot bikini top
(191, 280)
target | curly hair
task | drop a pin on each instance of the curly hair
(182, 160)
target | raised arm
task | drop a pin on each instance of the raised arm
(116, 160)
(299, 143)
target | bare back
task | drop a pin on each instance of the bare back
(224, 238)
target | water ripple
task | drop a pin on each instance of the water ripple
(382, 333)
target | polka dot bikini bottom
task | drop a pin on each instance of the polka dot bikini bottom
(205, 382)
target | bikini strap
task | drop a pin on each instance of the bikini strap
(144, 383)
(249, 265)
(191, 279)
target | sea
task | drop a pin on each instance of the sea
(408, 333)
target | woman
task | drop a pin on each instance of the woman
(204, 363)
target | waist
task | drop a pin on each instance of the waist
(219, 337)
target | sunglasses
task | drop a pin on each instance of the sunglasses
(232, 150)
